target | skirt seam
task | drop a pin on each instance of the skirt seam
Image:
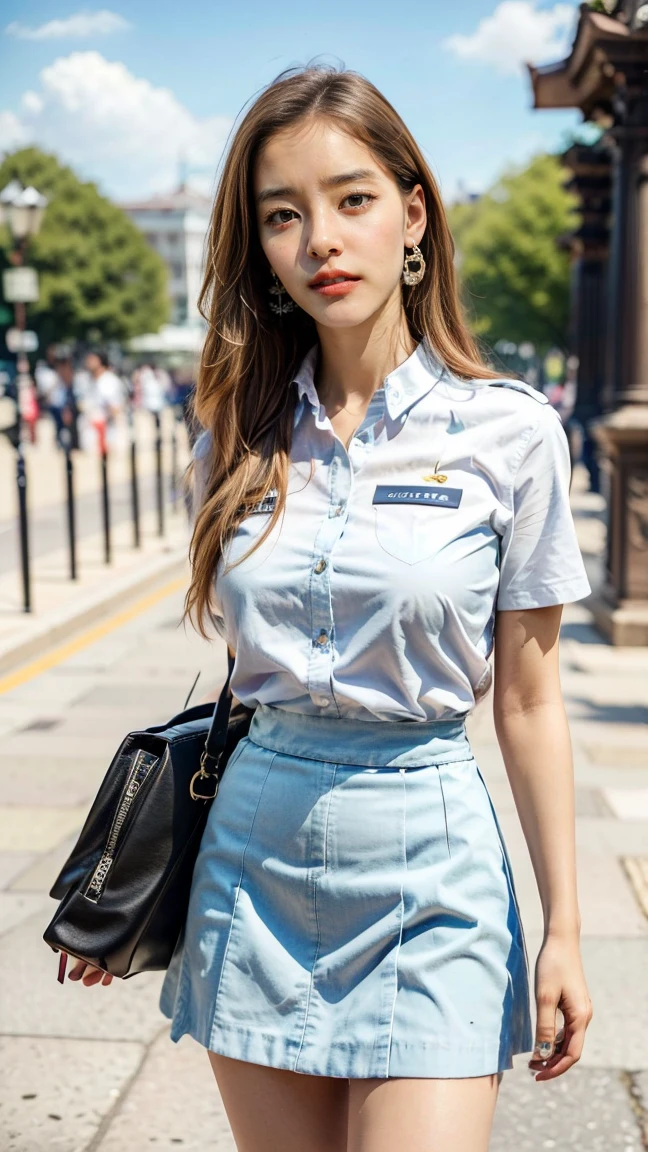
(402, 919)
(236, 899)
(317, 924)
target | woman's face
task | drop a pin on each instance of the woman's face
(333, 223)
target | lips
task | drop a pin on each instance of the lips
(334, 275)
(333, 283)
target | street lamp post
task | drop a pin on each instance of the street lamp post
(22, 210)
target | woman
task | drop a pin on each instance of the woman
(380, 510)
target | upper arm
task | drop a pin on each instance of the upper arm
(526, 659)
(540, 560)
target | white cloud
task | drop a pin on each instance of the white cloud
(13, 133)
(517, 32)
(31, 102)
(114, 127)
(80, 26)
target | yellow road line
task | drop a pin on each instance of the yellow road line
(61, 653)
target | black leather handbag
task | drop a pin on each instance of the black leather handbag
(124, 889)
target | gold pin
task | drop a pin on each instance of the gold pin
(437, 476)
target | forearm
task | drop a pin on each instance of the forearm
(536, 748)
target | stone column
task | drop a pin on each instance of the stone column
(621, 609)
(591, 181)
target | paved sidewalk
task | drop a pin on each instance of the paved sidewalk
(60, 605)
(93, 1070)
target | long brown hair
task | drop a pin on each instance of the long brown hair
(243, 393)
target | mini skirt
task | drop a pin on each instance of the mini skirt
(352, 909)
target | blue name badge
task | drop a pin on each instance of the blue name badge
(436, 497)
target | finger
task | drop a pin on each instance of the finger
(569, 1054)
(93, 976)
(545, 1035)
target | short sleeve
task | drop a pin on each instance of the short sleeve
(540, 559)
(200, 455)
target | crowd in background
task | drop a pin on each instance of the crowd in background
(88, 394)
(82, 396)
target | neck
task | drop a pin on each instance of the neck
(355, 361)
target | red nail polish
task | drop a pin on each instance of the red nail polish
(61, 967)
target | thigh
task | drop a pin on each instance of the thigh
(273, 1110)
(422, 1115)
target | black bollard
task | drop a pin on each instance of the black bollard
(174, 467)
(66, 437)
(21, 482)
(135, 495)
(105, 505)
(158, 459)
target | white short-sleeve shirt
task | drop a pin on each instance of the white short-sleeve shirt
(374, 597)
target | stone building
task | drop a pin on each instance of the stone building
(176, 225)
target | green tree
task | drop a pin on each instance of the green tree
(96, 271)
(515, 274)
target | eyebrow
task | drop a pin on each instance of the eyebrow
(328, 182)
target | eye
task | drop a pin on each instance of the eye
(280, 216)
(355, 199)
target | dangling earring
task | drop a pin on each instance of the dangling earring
(277, 289)
(413, 266)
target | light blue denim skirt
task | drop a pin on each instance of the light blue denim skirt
(352, 909)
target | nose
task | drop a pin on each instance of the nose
(324, 239)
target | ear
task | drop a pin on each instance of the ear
(415, 216)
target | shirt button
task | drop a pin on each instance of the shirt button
(323, 702)
(339, 510)
(322, 638)
(320, 566)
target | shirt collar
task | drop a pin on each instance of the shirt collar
(403, 387)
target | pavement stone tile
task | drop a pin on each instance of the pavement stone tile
(639, 1091)
(636, 869)
(19, 745)
(49, 691)
(173, 1104)
(18, 906)
(29, 829)
(55, 1093)
(628, 803)
(583, 1110)
(52, 782)
(33, 1003)
(40, 874)
(607, 904)
(12, 864)
(141, 700)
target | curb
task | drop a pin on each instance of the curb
(95, 605)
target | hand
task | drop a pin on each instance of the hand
(88, 974)
(560, 983)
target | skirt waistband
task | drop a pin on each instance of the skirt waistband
(382, 743)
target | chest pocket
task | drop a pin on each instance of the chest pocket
(408, 532)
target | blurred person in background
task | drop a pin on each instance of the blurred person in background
(153, 386)
(50, 390)
(70, 408)
(183, 385)
(27, 395)
(103, 399)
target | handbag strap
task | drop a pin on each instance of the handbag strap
(217, 735)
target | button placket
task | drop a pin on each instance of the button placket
(321, 608)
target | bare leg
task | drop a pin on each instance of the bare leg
(272, 1110)
(422, 1115)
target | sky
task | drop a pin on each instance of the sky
(124, 94)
